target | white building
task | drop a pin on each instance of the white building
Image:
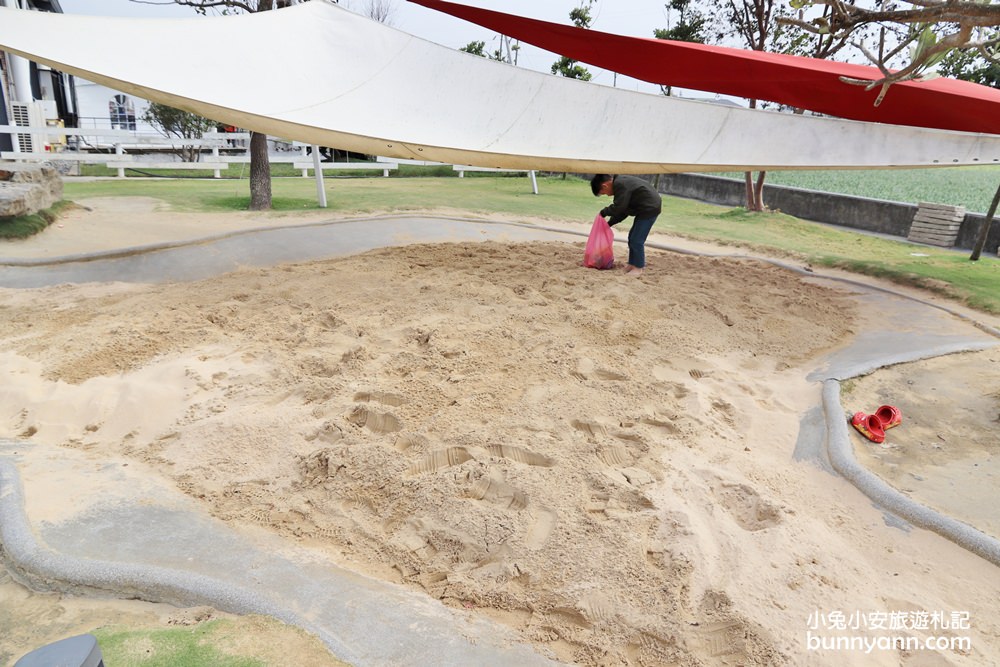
(34, 94)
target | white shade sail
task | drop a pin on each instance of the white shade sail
(320, 74)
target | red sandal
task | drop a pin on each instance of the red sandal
(889, 415)
(869, 426)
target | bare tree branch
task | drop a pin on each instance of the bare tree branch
(381, 11)
(935, 27)
(845, 15)
(202, 5)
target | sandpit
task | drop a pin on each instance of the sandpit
(602, 463)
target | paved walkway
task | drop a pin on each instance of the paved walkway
(157, 544)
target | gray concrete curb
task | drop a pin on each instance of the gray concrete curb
(842, 458)
(202, 240)
(45, 570)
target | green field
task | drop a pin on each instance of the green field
(971, 187)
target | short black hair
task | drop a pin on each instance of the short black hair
(597, 181)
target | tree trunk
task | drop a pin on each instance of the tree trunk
(754, 191)
(758, 191)
(985, 231)
(260, 173)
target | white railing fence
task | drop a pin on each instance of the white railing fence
(129, 149)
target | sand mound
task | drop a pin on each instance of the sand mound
(602, 462)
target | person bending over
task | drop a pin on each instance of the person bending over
(632, 196)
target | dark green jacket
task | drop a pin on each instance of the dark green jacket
(633, 196)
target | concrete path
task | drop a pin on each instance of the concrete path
(117, 537)
(122, 537)
(214, 255)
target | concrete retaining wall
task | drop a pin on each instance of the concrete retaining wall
(873, 215)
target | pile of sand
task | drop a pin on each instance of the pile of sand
(603, 463)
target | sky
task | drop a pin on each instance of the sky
(624, 17)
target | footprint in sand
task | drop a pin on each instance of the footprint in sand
(726, 410)
(407, 441)
(620, 459)
(379, 422)
(598, 607)
(613, 496)
(440, 459)
(667, 426)
(492, 488)
(383, 397)
(520, 455)
(543, 521)
(409, 537)
(590, 429)
(615, 456)
(745, 505)
(721, 638)
(586, 369)
(635, 477)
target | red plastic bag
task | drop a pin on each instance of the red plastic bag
(600, 251)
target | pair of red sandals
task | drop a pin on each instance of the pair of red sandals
(875, 425)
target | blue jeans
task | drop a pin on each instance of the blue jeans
(637, 240)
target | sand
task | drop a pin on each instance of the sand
(601, 462)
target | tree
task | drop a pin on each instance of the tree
(690, 26)
(961, 36)
(181, 124)
(507, 53)
(475, 48)
(580, 16)
(260, 165)
(380, 10)
(969, 65)
(920, 32)
(753, 22)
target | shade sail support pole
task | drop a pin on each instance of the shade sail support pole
(320, 190)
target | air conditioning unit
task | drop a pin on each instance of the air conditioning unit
(29, 114)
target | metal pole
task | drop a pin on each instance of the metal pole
(320, 191)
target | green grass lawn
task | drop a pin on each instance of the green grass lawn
(249, 641)
(24, 226)
(557, 198)
(948, 272)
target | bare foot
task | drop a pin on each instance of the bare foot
(632, 270)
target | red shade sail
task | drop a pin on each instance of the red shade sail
(804, 83)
